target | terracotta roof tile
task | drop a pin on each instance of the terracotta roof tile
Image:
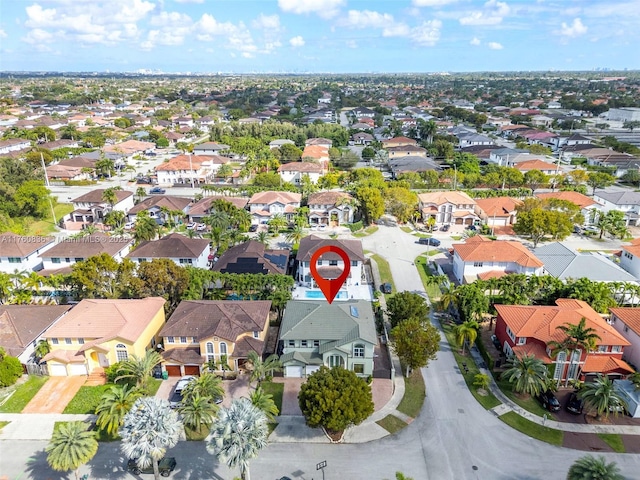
(574, 197)
(310, 244)
(440, 198)
(498, 206)
(630, 316)
(595, 363)
(270, 197)
(497, 251)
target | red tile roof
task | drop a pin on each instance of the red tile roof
(630, 316)
(574, 197)
(497, 251)
(595, 363)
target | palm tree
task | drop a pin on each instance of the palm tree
(41, 349)
(578, 338)
(139, 368)
(71, 446)
(277, 223)
(238, 434)
(223, 363)
(197, 412)
(601, 396)
(264, 401)
(146, 227)
(261, 368)
(592, 468)
(206, 385)
(114, 405)
(6, 287)
(140, 194)
(295, 235)
(263, 237)
(527, 374)
(466, 332)
(148, 430)
(449, 297)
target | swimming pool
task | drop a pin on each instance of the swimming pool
(314, 294)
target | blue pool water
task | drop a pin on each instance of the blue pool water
(342, 295)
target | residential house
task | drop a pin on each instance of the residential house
(14, 145)
(448, 207)
(160, 207)
(264, 205)
(253, 257)
(529, 330)
(362, 138)
(22, 252)
(315, 333)
(182, 250)
(589, 208)
(330, 265)
(624, 200)
(626, 321)
(98, 333)
(405, 164)
(280, 142)
(497, 211)
(504, 156)
(67, 251)
(406, 151)
(293, 172)
(480, 257)
(361, 112)
(320, 142)
(630, 258)
(316, 153)
(205, 207)
(63, 172)
(92, 208)
(130, 148)
(203, 331)
(330, 208)
(535, 164)
(399, 142)
(211, 148)
(22, 326)
(188, 169)
(471, 139)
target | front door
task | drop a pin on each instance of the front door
(103, 360)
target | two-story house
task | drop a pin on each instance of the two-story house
(406, 151)
(294, 172)
(92, 207)
(529, 330)
(203, 331)
(480, 257)
(630, 258)
(399, 142)
(183, 251)
(211, 148)
(22, 252)
(447, 207)
(315, 333)
(626, 321)
(162, 208)
(264, 205)
(253, 257)
(330, 265)
(589, 208)
(206, 206)
(626, 201)
(330, 208)
(497, 211)
(188, 169)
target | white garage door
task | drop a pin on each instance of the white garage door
(77, 369)
(312, 368)
(293, 372)
(57, 370)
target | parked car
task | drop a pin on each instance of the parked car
(201, 227)
(577, 230)
(191, 225)
(590, 230)
(183, 382)
(496, 343)
(434, 242)
(165, 465)
(176, 395)
(473, 228)
(144, 180)
(386, 288)
(157, 190)
(253, 228)
(445, 228)
(322, 226)
(549, 401)
(129, 225)
(574, 405)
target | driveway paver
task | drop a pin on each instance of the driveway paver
(55, 395)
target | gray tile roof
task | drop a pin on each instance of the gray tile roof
(620, 198)
(310, 244)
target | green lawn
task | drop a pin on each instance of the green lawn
(406, 229)
(414, 394)
(275, 389)
(23, 394)
(154, 385)
(87, 399)
(545, 434)
(432, 290)
(391, 423)
(46, 226)
(613, 440)
(456, 237)
(529, 403)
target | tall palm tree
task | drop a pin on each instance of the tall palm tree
(238, 434)
(148, 430)
(277, 223)
(264, 401)
(146, 227)
(578, 338)
(592, 468)
(139, 368)
(114, 405)
(261, 368)
(41, 349)
(6, 287)
(449, 297)
(526, 374)
(466, 332)
(295, 235)
(71, 446)
(263, 237)
(197, 412)
(601, 396)
(206, 385)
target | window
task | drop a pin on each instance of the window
(358, 350)
(78, 259)
(54, 341)
(223, 348)
(358, 368)
(477, 264)
(512, 335)
(15, 260)
(210, 352)
(256, 334)
(292, 343)
(336, 361)
(602, 348)
(303, 343)
(616, 349)
(81, 341)
(319, 263)
(354, 263)
(333, 263)
(67, 260)
(522, 340)
(186, 260)
(626, 329)
(121, 353)
(316, 343)
(67, 341)
(170, 340)
(55, 260)
(183, 339)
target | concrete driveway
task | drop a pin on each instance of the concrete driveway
(55, 394)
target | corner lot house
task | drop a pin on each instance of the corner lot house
(316, 333)
(181, 250)
(91, 208)
(330, 265)
(19, 252)
(200, 331)
(97, 333)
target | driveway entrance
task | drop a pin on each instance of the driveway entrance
(55, 394)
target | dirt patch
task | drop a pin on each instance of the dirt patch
(588, 442)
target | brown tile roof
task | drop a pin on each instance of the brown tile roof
(301, 167)
(532, 348)
(20, 325)
(251, 257)
(498, 206)
(400, 140)
(173, 245)
(13, 245)
(169, 201)
(406, 148)
(574, 197)
(105, 319)
(440, 198)
(327, 198)
(270, 197)
(497, 251)
(202, 207)
(95, 196)
(630, 316)
(185, 356)
(246, 345)
(88, 246)
(492, 274)
(599, 363)
(318, 141)
(542, 322)
(78, 162)
(227, 319)
(310, 244)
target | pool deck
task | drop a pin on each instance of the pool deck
(360, 292)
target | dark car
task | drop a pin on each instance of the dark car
(253, 228)
(549, 401)
(166, 466)
(574, 404)
(157, 190)
(473, 228)
(386, 288)
(144, 180)
(445, 228)
(496, 343)
(434, 242)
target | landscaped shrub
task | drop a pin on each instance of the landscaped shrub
(354, 227)
(10, 370)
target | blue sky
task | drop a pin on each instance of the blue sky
(245, 36)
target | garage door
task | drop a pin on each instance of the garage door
(310, 369)
(57, 370)
(174, 370)
(293, 372)
(77, 369)
(192, 370)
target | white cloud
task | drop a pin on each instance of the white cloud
(495, 46)
(324, 8)
(432, 3)
(427, 34)
(38, 36)
(576, 29)
(271, 22)
(297, 42)
(492, 14)
(396, 30)
(474, 41)
(367, 19)
(170, 19)
(236, 37)
(3, 34)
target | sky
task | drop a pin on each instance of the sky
(318, 36)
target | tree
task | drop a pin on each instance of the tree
(71, 446)
(631, 124)
(42, 349)
(10, 369)
(334, 399)
(161, 277)
(466, 332)
(197, 412)
(114, 405)
(32, 199)
(401, 203)
(238, 434)
(527, 374)
(146, 227)
(599, 180)
(109, 195)
(371, 203)
(290, 153)
(534, 179)
(577, 338)
(139, 368)
(206, 385)
(277, 223)
(264, 401)
(601, 396)
(406, 306)
(148, 430)
(295, 235)
(105, 167)
(592, 468)
(415, 343)
(612, 222)
(260, 369)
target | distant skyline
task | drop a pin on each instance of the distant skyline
(318, 36)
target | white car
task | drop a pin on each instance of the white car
(129, 225)
(201, 227)
(322, 227)
(191, 226)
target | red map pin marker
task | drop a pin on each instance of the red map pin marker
(330, 287)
